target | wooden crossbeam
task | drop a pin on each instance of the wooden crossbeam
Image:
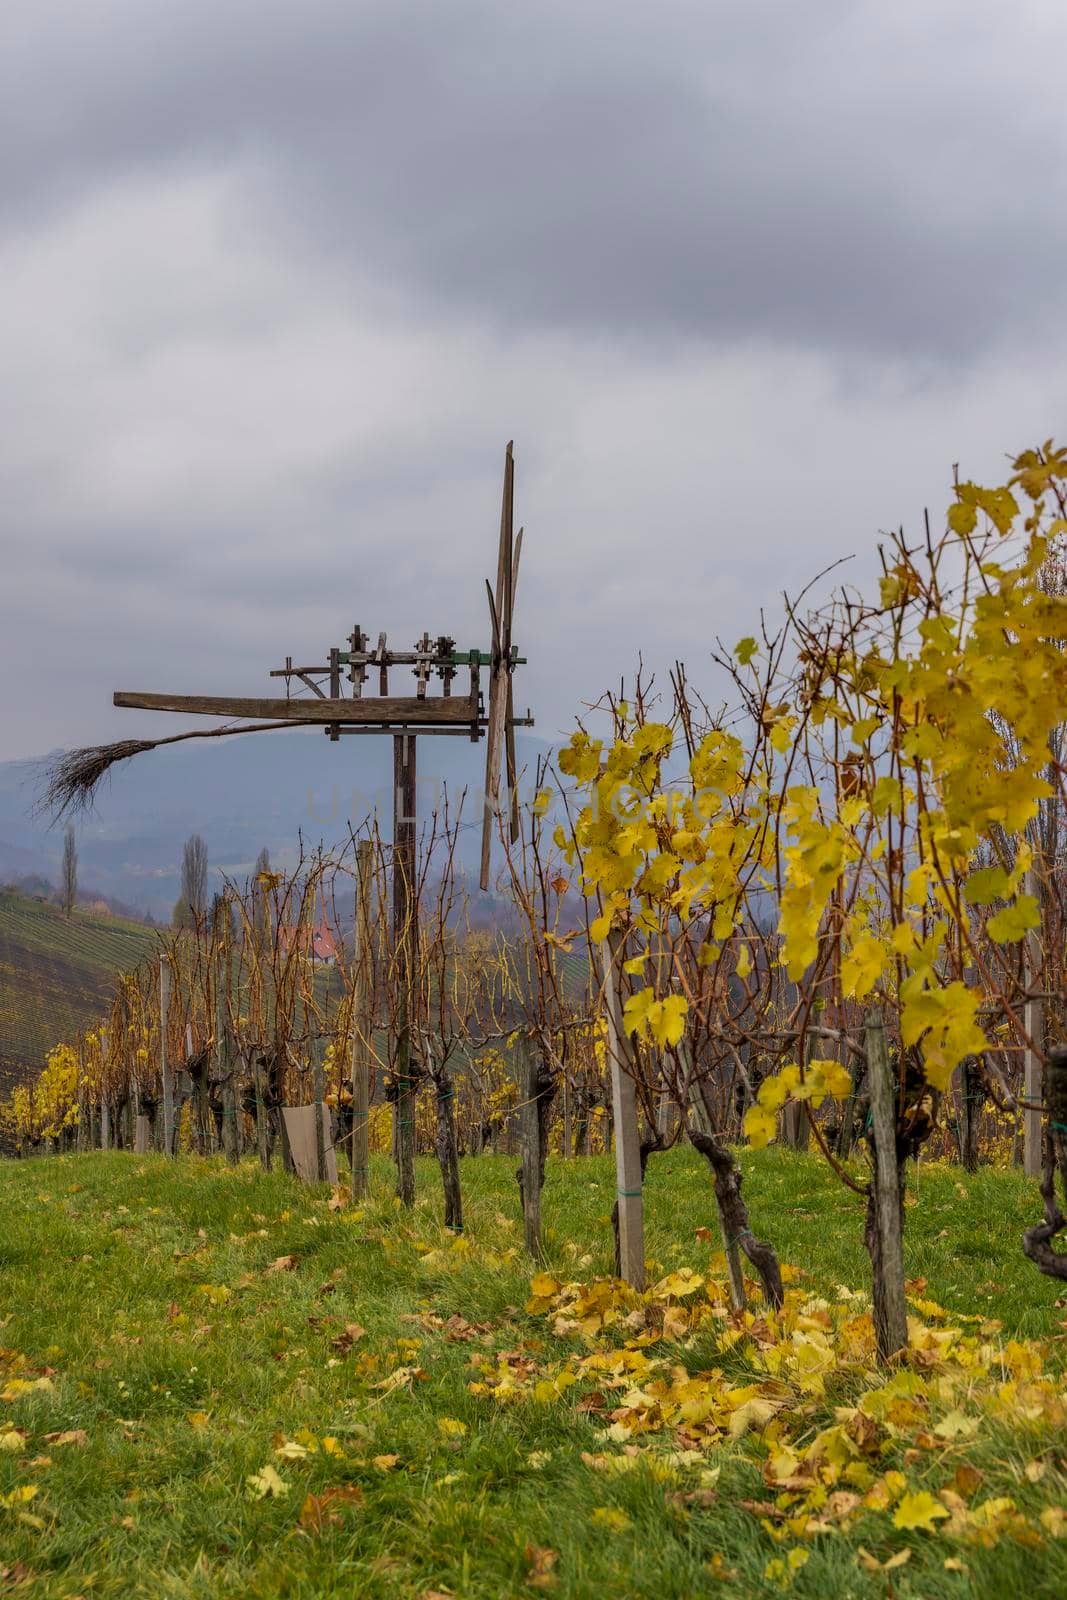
(451, 710)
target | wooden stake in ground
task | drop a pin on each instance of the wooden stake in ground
(1033, 1022)
(530, 1125)
(319, 1100)
(84, 1117)
(624, 1104)
(164, 1068)
(362, 1022)
(971, 1099)
(105, 1103)
(259, 1083)
(405, 943)
(885, 1212)
(224, 1052)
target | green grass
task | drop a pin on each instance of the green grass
(111, 1268)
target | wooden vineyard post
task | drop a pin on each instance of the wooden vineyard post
(405, 944)
(970, 1079)
(628, 1183)
(134, 1101)
(530, 1125)
(568, 1121)
(362, 1023)
(262, 1132)
(884, 1219)
(224, 1054)
(500, 604)
(1033, 1022)
(795, 1126)
(164, 1068)
(318, 1091)
(847, 1135)
(83, 1103)
(105, 1103)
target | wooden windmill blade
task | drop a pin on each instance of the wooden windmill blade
(506, 510)
(500, 617)
(512, 764)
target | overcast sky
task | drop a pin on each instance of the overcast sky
(279, 280)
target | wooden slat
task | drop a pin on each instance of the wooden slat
(387, 708)
(1034, 1024)
(164, 1065)
(505, 531)
(498, 710)
(406, 945)
(362, 1022)
(512, 765)
(530, 1124)
(628, 1181)
(512, 762)
(890, 1306)
(500, 677)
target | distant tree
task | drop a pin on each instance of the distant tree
(259, 892)
(68, 883)
(191, 905)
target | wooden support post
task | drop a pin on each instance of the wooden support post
(83, 1101)
(362, 1022)
(885, 1241)
(318, 1092)
(847, 1135)
(971, 1097)
(231, 1117)
(262, 1131)
(530, 1124)
(164, 1068)
(405, 943)
(1033, 1022)
(224, 1052)
(199, 1114)
(624, 1104)
(568, 1120)
(796, 1129)
(105, 1103)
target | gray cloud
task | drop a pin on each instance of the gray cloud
(742, 280)
(833, 174)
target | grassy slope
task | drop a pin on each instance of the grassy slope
(103, 1266)
(57, 976)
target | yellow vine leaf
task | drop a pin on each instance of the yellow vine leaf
(919, 1511)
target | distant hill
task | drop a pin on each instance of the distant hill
(57, 976)
(240, 794)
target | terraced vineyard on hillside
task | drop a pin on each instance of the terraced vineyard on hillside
(56, 976)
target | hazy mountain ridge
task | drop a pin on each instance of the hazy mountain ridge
(240, 794)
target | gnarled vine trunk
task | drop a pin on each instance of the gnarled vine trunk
(1037, 1241)
(734, 1212)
